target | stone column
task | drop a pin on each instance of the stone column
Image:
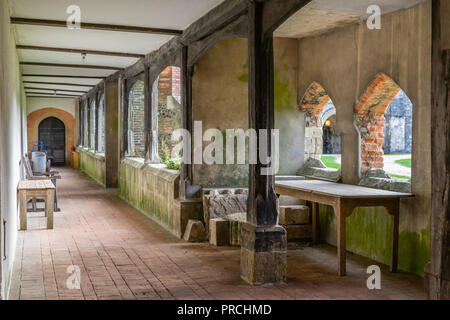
(263, 242)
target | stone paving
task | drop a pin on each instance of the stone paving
(124, 255)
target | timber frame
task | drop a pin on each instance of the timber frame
(437, 272)
(256, 20)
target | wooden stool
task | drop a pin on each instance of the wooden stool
(29, 189)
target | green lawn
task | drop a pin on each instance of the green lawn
(404, 162)
(330, 162)
(399, 177)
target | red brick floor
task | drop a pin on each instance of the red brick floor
(124, 255)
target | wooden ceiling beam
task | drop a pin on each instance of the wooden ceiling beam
(61, 84)
(82, 51)
(47, 95)
(61, 76)
(68, 65)
(96, 26)
(51, 89)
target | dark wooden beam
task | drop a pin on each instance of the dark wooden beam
(437, 272)
(68, 65)
(51, 89)
(82, 51)
(52, 95)
(61, 76)
(278, 11)
(61, 83)
(96, 26)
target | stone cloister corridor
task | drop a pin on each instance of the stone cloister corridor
(124, 255)
(218, 150)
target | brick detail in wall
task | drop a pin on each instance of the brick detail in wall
(169, 112)
(370, 119)
(136, 121)
(313, 103)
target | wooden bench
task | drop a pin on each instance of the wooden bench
(344, 198)
(29, 189)
(48, 175)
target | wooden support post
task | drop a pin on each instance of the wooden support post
(49, 205)
(263, 243)
(437, 272)
(124, 119)
(339, 211)
(315, 222)
(395, 218)
(187, 189)
(148, 114)
(112, 132)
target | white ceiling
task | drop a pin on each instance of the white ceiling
(321, 16)
(165, 14)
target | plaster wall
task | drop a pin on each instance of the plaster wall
(65, 104)
(220, 100)
(345, 61)
(13, 141)
(36, 117)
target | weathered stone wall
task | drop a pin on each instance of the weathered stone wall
(398, 125)
(353, 57)
(136, 121)
(93, 165)
(152, 189)
(220, 100)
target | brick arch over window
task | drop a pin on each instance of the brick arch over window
(35, 118)
(313, 103)
(318, 107)
(369, 116)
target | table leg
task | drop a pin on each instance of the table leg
(49, 207)
(315, 222)
(341, 240)
(395, 218)
(23, 210)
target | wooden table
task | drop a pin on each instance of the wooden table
(344, 198)
(29, 189)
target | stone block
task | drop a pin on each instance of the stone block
(298, 232)
(195, 231)
(184, 210)
(235, 222)
(298, 214)
(219, 203)
(219, 232)
(263, 255)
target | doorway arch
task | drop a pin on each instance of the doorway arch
(52, 132)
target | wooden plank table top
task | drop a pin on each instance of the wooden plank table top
(339, 189)
(35, 185)
(344, 199)
(29, 189)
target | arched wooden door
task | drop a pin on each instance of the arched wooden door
(52, 132)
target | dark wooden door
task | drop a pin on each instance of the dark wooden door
(52, 132)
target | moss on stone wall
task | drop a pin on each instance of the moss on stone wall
(369, 235)
(94, 166)
(151, 189)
